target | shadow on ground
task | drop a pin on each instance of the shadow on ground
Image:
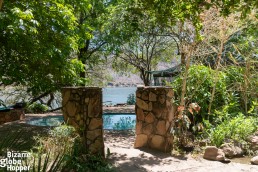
(19, 136)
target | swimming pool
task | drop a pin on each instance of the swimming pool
(111, 121)
(47, 121)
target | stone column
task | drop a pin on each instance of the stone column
(155, 113)
(12, 115)
(82, 108)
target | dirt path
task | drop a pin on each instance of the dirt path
(127, 159)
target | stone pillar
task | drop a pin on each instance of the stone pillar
(155, 113)
(12, 115)
(82, 108)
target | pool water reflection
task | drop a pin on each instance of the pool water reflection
(110, 121)
(119, 121)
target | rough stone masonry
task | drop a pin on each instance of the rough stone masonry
(82, 108)
(155, 112)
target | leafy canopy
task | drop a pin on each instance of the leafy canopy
(37, 42)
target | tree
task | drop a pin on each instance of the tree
(37, 43)
(137, 40)
(169, 12)
(144, 51)
(217, 30)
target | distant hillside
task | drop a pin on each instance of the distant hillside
(134, 79)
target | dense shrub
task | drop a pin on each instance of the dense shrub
(131, 99)
(200, 82)
(63, 150)
(236, 129)
(232, 94)
(36, 108)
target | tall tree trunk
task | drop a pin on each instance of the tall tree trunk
(246, 84)
(216, 76)
(183, 60)
(187, 65)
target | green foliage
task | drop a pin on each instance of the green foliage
(37, 40)
(50, 152)
(36, 108)
(238, 128)
(131, 99)
(87, 162)
(199, 85)
(170, 11)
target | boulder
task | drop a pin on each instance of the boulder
(254, 160)
(254, 143)
(232, 150)
(214, 154)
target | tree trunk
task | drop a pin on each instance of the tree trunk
(145, 77)
(216, 76)
(183, 60)
(39, 97)
(246, 84)
(188, 60)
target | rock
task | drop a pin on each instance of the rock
(138, 127)
(170, 93)
(95, 123)
(152, 97)
(138, 94)
(142, 104)
(162, 99)
(254, 143)
(157, 142)
(215, 154)
(231, 150)
(150, 118)
(148, 129)
(140, 141)
(169, 103)
(140, 114)
(150, 106)
(95, 147)
(170, 116)
(92, 135)
(71, 108)
(161, 127)
(145, 95)
(66, 96)
(254, 160)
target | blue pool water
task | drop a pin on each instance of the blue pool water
(110, 121)
(47, 121)
(119, 121)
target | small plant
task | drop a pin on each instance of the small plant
(50, 152)
(124, 123)
(183, 124)
(237, 129)
(131, 99)
(36, 108)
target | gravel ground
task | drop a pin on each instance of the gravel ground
(127, 159)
